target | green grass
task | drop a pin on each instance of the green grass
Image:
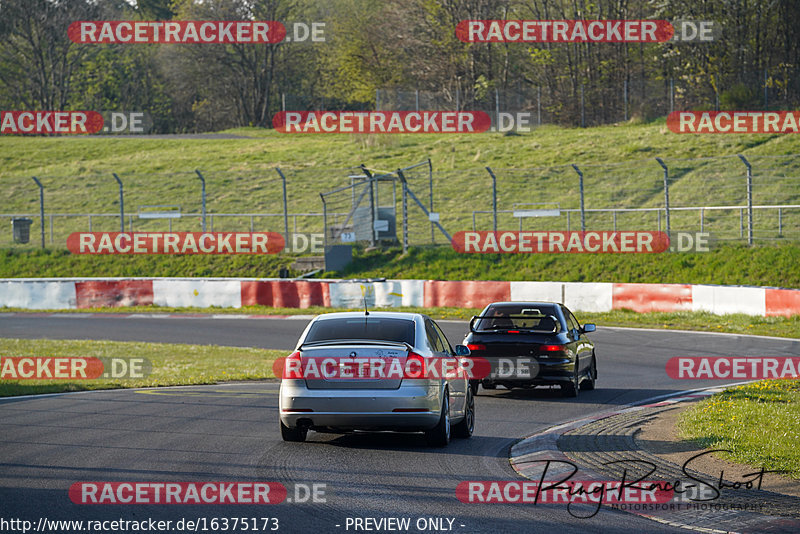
(768, 265)
(533, 167)
(172, 364)
(759, 423)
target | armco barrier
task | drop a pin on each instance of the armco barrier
(652, 297)
(782, 302)
(234, 292)
(464, 294)
(113, 293)
(285, 293)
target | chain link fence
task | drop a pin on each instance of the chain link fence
(362, 204)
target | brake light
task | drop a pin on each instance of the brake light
(513, 331)
(292, 368)
(552, 349)
(415, 366)
(475, 346)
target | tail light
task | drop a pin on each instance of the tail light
(476, 346)
(415, 366)
(552, 351)
(292, 368)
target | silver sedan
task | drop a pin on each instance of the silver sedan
(376, 371)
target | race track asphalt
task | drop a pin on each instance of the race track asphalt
(229, 432)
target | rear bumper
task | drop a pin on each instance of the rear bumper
(541, 373)
(367, 409)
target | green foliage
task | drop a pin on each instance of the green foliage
(758, 422)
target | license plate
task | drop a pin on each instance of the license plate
(523, 372)
(353, 369)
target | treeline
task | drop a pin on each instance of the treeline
(406, 45)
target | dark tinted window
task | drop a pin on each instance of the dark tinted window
(433, 337)
(572, 323)
(520, 317)
(383, 329)
(445, 343)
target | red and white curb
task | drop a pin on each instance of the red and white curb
(63, 293)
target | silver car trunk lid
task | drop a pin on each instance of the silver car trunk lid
(353, 366)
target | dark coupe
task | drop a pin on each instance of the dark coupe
(532, 344)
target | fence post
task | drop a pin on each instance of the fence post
(416, 100)
(766, 102)
(780, 222)
(41, 204)
(583, 212)
(494, 199)
(371, 185)
(430, 185)
(666, 191)
(405, 210)
(121, 204)
(202, 197)
(324, 223)
(749, 199)
(285, 207)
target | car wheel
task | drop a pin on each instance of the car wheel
(588, 383)
(293, 434)
(467, 425)
(571, 388)
(473, 386)
(439, 436)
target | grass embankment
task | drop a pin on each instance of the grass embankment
(769, 265)
(240, 176)
(172, 364)
(759, 423)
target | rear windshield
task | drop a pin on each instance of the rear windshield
(382, 329)
(519, 317)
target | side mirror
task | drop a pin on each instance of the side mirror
(462, 350)
(589, 327)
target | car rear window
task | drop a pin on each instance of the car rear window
(367, 328)
(519, 317)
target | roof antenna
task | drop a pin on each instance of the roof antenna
(364, 297)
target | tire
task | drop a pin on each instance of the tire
(293, 434)
(571, 388)
(465, 428)
(589, 383)
(439, 436)
(473, 386)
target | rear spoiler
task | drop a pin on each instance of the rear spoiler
(323, 343)
(519, 316)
